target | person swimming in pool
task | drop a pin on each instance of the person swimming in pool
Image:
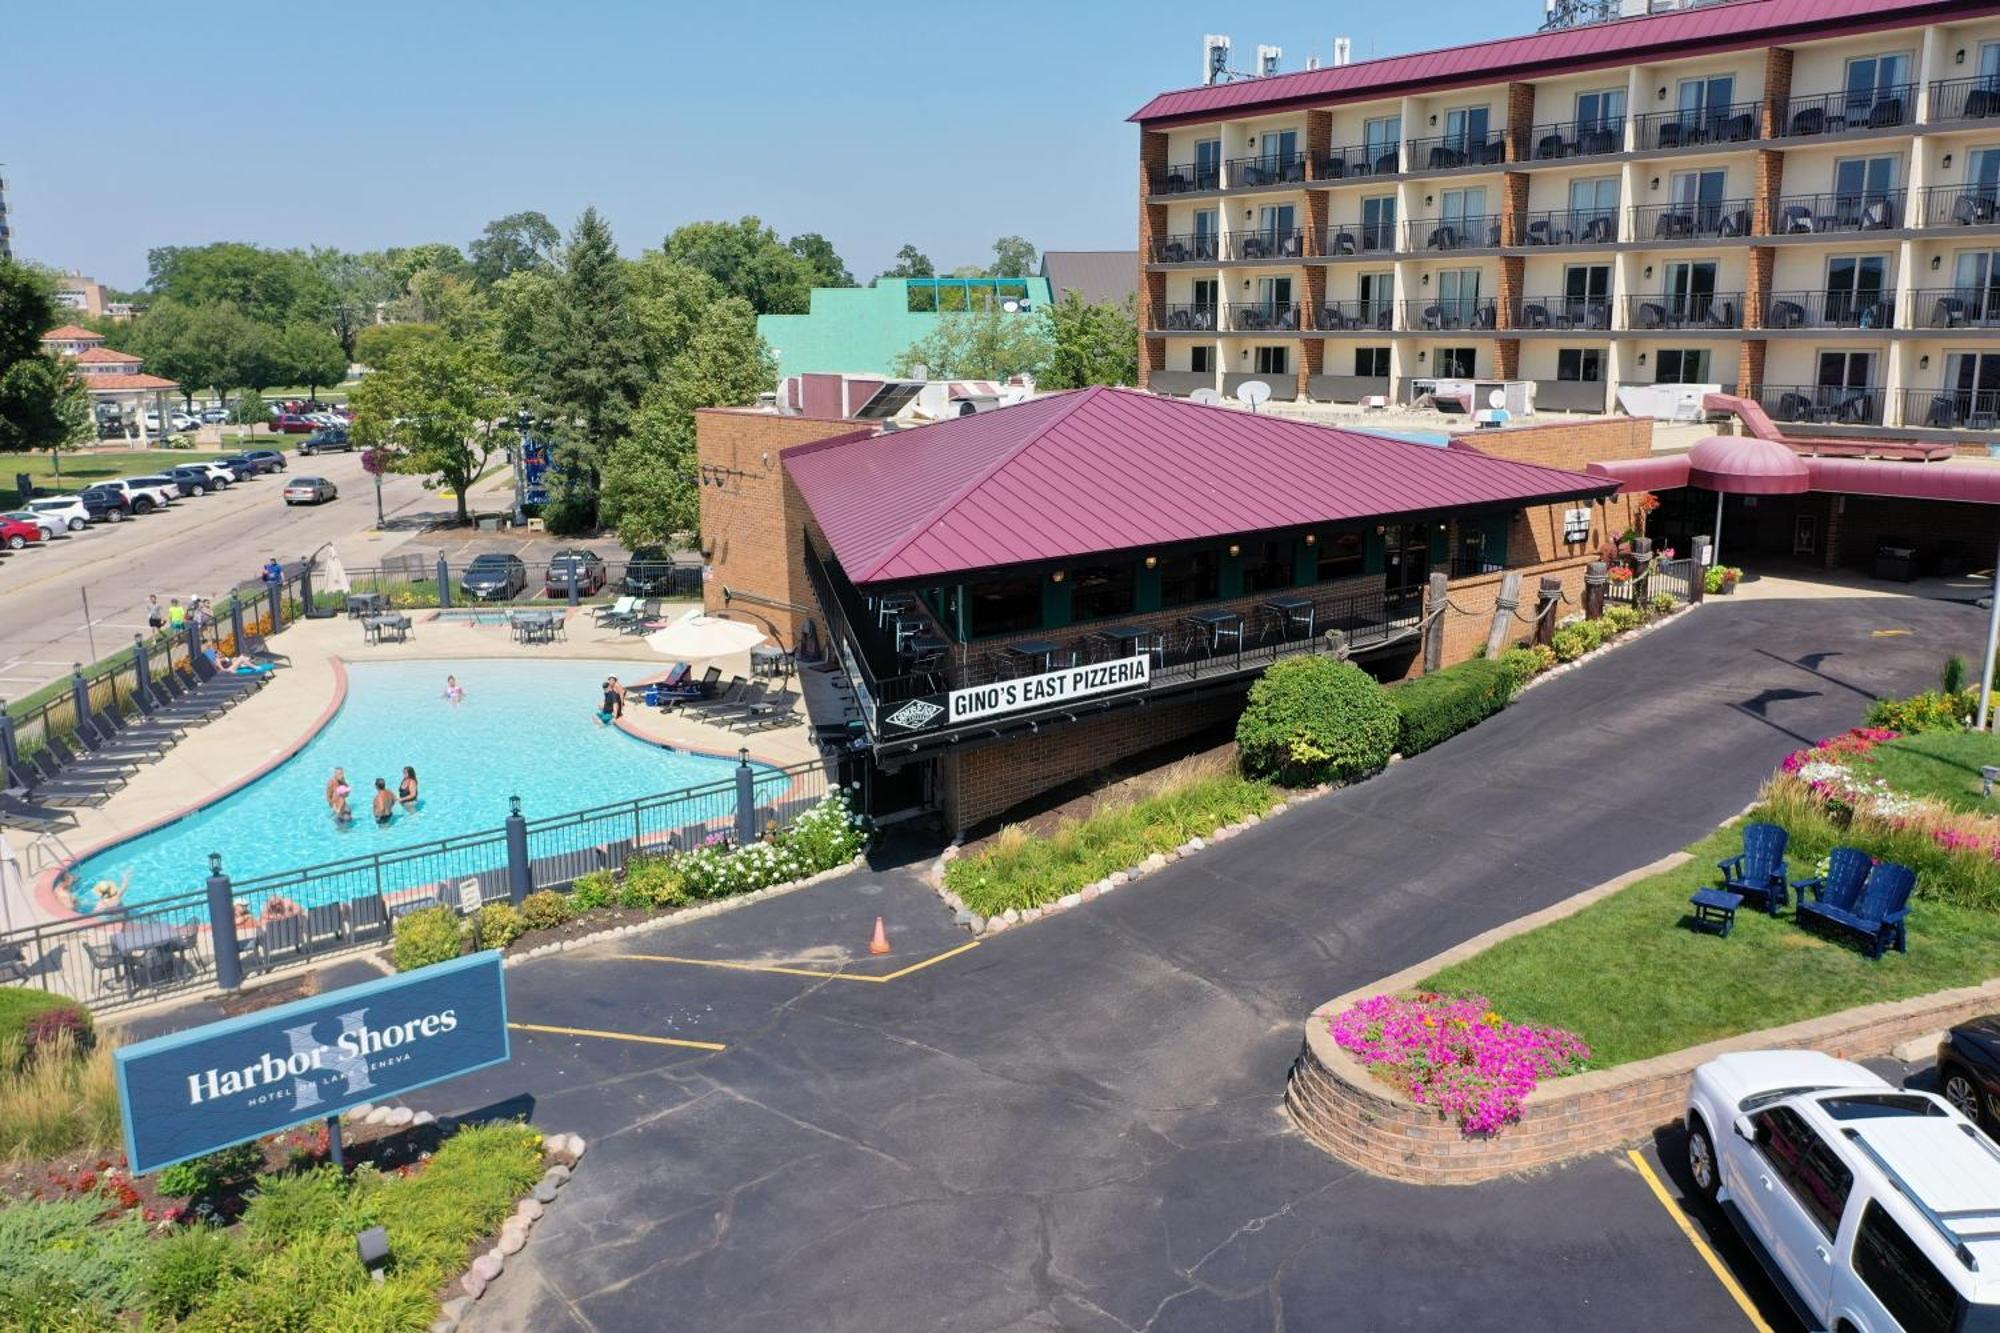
(385, 801)
(336, 787)
(406, 791)
(454, 693)
(110, 893)
(342, 813)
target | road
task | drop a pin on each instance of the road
(1076, 1124)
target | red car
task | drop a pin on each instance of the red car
(291, 423)
(14, 534)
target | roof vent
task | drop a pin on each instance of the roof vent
(1312, 62)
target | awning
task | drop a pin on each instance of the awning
(1745, 465)
(1968, 482)
(1644, 474)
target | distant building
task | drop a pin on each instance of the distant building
(117, 381)
(6, 228)
(867, 329)
(86, 296)
(1100, 277)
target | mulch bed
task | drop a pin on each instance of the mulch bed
(1113, 785)
(589, 923)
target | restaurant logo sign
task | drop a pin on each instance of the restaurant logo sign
(915, 715)
(1049, 689)
(190, 1093)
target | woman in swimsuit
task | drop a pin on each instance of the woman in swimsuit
(336, 786)
(406, 792)
(454, 693)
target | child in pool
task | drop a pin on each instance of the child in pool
(454, 693)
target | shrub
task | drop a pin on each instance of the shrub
(432, 935)
(1719, 577)
(32, 1019)
(499, 925)
(1622, 618)
(1660, 603)
(286, 1208)
(205, 1176)
(1312, 719)
(60, 1102)
(599, 888)
(829, 834)
(1571, 642)
(183, 1270)
(1955, 668)
(1932, 710)
(1438, 706)
(1523, 665)
(652, 881)
(62, 1245)
(544, 910)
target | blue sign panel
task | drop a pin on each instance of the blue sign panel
(190, 1093)
(534, 471)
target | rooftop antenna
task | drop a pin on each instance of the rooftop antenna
(1267, 60)
(1214, 58)
(1343, 50)
(1576, 13)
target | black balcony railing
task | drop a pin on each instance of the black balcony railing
(1445, 152)
(1199, 248)
(1263, 316)
(1481, 232)
(1952, 409)
(1836, 404)
(1690, 310)
(1830, 310)
(1845, 112)
(1357, 238)
(1687, 222)
(1430, 314)
(1277, 169)
(1976, 98)
(1337, 316)
(1955, 308)
(1188, 178)
(1571, 227)
(1563, 312)
(1189, 318)
(1692, 127)
(1571, 138)
(1267, 244)
(1809, 214)
(1360, 160)
(1960, 206)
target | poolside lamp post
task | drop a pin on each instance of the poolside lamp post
(520, 873)
(222, 926)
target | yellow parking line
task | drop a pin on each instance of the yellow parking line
(1702, 1247)
(621, 1036)
(817, 974)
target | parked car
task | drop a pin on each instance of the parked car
(494, 577)
(177, 484)
(291, 423)
(65, 508)
(146, 493)
(259, 461)
(590, 575)
(327, 440)
(47, 524)
(310, 490)
(649, 573)
(1968, 1070)
(214, 416)
(199, 479)
(16, 533)
(107, 503)
(1874, 1207)
(237, 467)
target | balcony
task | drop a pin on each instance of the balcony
(1964, 99)
(1480, 232)
(1955, 308)
(1689, 311)
(1198, 248)
(1449, 152)
(1690, 222)
(1351, 238)
(1562, 312)
(1356, 316)
(1952, 409)
(1360, 160)
(1700, 127)
(1258, 172)
(1267, 245)
(1830, 310)
(1452, 314)
(1823, 404)
(1263, 317)
(1189, 318)
(1960, 206)
(1567, 227)
(1813, 214)
(1849, 112)
(1571, 138)
(1188, 178)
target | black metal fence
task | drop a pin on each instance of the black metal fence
(1976, 98)
(1688, 127)
(1830, 309)
(422, 582)
(1850, 110)
(1674, 578)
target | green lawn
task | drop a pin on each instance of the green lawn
(1944, 764)
(1628, 976)
(78, 470)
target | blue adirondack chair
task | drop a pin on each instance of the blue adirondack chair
(1878, 915)
(1846, 871)
(1759, 871)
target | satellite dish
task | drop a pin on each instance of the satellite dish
(1254, 393)
(1012, 307)
(1209, 396)
(1498, 398)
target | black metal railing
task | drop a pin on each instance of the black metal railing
(1448, 152)
(1820, 404)
(1952, 409)
(1675, 578)
(1357, 238)
(1449, 314)
(1808, 214)
(1571, 138)
(1955, 308)
(1562, 312)
(1477, 232)
(1738, 122)
(1204, 247)
(414, 584)
(1960, 206)
(1976, 98)
(1846, 112)
(1263, 316)
(1694, 310)
(1191, 317)
(1687, 222)
(1337, 316)
(1830, 310)
(1564, 226)
(1268, 243)
(1188, 178)
(1360, 160)
(1277, 169)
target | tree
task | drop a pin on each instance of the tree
(1089, 344)
(1013, 257)
(430, 410)
(749, 260)
(312, 356)
(42, 403)
(358, 286)
(214, 346)
(376, 344)
(516, 243)
(446, 298)
(911, 263)
(401, 264)
(979, 345)
(271, 286)
(823, 260)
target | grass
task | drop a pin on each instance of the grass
(59, 1103)
(1629, 977)
(1944, 764)
(84, 468)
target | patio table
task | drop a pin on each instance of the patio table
(149, 947)
(921, 649)
(1131, 640)
(1036, 654)
(1292, 612)
(366, 603)
(1217, 625)
(1715, 910)
(892, 606)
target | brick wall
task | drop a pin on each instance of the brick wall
(1319, 142)
(1750, 367)
(1514, 209)
(1511, 269)
(1506, 356)
(1520, 121)
(1152, 224)
(1853, 534)
(1777, 89)
(1316, 206)
(1312, 358)
(1571, 445)
(1758, 289)
(1767, 184)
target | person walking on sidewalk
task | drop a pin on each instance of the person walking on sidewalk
(155, 617)
(176, 615)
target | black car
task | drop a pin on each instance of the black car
(1968, 1069)
(240, 467)
(649, 573)
(192, 480)
(265, 460)
(494, 578)
(107, 504)
(327, 440)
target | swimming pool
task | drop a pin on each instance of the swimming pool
(526, 729)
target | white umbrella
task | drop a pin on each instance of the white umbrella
(697, 635)
(336, 572)
(12, 881)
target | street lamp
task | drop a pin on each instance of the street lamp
(373, 463)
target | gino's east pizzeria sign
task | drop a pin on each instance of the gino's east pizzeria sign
(1050, 689)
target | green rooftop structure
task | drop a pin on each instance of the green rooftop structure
(864, 330)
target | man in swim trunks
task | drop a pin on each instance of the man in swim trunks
(385, 801)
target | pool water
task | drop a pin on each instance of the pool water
(526, 729)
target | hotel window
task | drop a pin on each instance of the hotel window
(1339, 556)
(1278, 147)
(1458, 298)
(1189, 576)
(1383, 137)
(1976, 286)
(1268, 566)
(1690, 290)
(1859, 182)
(1006, 605)
(1098, 591)
(1378, 297)
(1455, 363)
(1854, 285)
(1582, 365)
(1201, 360)
(1601, 110)
(1587, 295)
(1982, 169)
(1681, 365)
(1703, 98)
(1274, 361)
(1378, 223)
(1207, 164)
(1465, 128)
(1877, 89)
(1371, 363)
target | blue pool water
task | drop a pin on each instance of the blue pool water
(525, 728)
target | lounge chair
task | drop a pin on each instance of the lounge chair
(688, 690)
(13, 963)
(73, 762)
(723, 709)
(110, 777)
(617, 611)
(1847, 870)
(1878, 915)
(279, 940)
(367, 918)
(34, 817)
(323, 924)
(732, 693)
(1759, 870)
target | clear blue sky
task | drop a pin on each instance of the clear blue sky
(124, 126)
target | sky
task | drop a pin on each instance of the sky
(363, 125)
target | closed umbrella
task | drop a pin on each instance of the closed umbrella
(697, 635)
(336, 572)
(12, 881)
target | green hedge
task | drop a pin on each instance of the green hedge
(28, 1017)
(1437, 707)
(1312, 719)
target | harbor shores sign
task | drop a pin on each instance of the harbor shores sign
(1048, 690)
(189, 1093)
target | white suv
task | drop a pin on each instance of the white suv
(1877, 1208)
(66, 509)
(145, 493)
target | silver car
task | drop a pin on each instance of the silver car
(310, 490)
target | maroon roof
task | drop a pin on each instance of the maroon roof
(1685, 32)
(1964, 483)
(1746, 465)
(1097, 470)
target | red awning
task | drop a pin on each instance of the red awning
(1644, 474)
(1746, 465)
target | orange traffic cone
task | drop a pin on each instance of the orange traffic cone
(880, 944)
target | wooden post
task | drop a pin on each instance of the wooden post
(1504, 607)
(1434, 607)
(1596, 581)
(1698, 576)
(1545, 608)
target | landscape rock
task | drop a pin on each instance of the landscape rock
(577, 1147)
(1011, 916)
(490, 1264)
(360, 1112)
(1194, 844)
(473, 1284)
(456, 1309)
(513, 1237)
(1032, 914)
(377, 1116)
(444, 1325)
(994, 925)
(545, 1192)
(424, 1118)
(975, 922)
(1086, 893)
(1251, 820)
(964, 917)
(558, 1174)
(1069, 900)
(529, 1210)
(401, 1116)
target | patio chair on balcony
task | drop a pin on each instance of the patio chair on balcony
(1295, 170)
(1342, 243)
(1812, 120)
(1973, 210)
(1981, 103)
(1875, 217)
(1797, 219)
(1670, 135)
(1442, 238)
(1950, 312)
(1856, 409)
(1885, 113)
(1673, 225)
(1759, 871)
(1600, 230)
(1652, 315)
(1719, 315)
(1794, 406)
(1386, 164)
(1552, 145)
(1292, 246)
(1786, 315)
(1534, 315)
(1734, 223)
(1333, 168)
(1485, 317)
(1542, 232)
(1443, 159)
(1944, 413)
(1491, 153)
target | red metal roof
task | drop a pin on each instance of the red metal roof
(70, 333)
(104, 381)
(1746, 465)
(1097, 470)
(1687, 32)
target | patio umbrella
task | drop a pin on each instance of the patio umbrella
(12, 881)
(336, 572)
(696, 636)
